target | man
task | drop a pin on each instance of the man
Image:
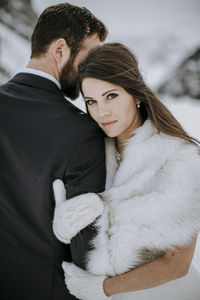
(44, 137)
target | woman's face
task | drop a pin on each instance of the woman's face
(111, 107)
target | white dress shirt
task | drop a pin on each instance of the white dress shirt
(42, 74)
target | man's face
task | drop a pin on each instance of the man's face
(68, 75)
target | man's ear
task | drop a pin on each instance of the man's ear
(61, 52)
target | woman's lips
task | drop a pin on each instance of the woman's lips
(108, 123)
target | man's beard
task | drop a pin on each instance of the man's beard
(68, 81)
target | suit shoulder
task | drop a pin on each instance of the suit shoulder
(83, 121)
(90, 127)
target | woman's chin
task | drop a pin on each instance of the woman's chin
(110, 134)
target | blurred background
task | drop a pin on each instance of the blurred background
(165, 36)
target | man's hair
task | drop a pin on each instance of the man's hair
(66, 21)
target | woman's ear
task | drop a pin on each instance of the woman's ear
(61, 52)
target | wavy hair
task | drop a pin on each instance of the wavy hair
(115, 63)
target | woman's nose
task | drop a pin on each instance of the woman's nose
(104, 111)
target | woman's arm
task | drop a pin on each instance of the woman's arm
(173, 265)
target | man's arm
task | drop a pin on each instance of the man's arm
(173, 265)
(86, 170)
(84, 177)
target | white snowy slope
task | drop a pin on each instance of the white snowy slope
(14, 52)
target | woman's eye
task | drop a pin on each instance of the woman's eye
(90, 102)
(111, 96)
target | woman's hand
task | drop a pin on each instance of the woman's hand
(73, 215)
(83, 284)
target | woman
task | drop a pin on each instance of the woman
(151, 207)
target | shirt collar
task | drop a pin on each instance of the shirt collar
(43, 74)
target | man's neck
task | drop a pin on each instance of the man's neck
(45, 65)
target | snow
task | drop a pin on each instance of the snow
(187, 112)
(14, 51)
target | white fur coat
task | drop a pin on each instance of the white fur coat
(152, 201)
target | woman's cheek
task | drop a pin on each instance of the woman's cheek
(93, 114)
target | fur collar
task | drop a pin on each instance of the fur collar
(145, 153)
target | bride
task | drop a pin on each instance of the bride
(148, 218)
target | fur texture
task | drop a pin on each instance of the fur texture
(152, 201)
(82, 284)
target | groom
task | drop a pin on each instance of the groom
(44, 137)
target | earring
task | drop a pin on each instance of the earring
(138, 105)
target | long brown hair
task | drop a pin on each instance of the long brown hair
(115, 63)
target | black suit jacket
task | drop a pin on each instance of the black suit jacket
(42, 137)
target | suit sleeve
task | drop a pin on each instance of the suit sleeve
(86, 170)
(85, 173)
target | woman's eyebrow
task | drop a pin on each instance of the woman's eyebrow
(108, 92)
(87, 97)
